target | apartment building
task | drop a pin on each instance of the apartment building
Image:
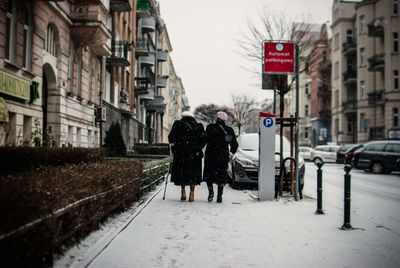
(319, 88)
(365, 80)
(69, 69)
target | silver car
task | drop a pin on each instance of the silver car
(243, 166)
(324, 153)
(305, 152)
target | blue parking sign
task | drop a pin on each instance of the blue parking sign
(268, 122)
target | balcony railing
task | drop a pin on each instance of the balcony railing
(141, 85)
(325, 114)
(119, 55)
(92, 25)
(377, 63)
(349, 47)
(149, 96)
(325, 66)
(120, 6)
(162, 55)
(162, 81)
(148, 24)
(375, 28)
(374, 97)
(349, 106)
(142, 47)
(350, 76)
(156, 105)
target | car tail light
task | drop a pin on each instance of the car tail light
(338, 150)
(316, 148)
(347, 156)
(357, 153)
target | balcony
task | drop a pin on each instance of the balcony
(162, 55)
(324, 114)
(324, 91)
(141, 85)
(325, 66)
(156, 105)
(142, 47)
(349, 106)
(375, 28)
(350, 47)
(374, 97)
(120, 6)
(147, 60)
(91, 25)
(148, 96)
(119, 57)
(162, 81)
(377, 63)
(350, 77)
(148, 24)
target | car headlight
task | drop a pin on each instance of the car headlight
(245, 162)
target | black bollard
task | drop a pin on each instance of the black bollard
(319, 188)
(347, 183)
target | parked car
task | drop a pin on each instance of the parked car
(324, 153)
(305, 152)
(348, 157)
(343, 150)
(243, 166)
(356, 156)
(380, 156)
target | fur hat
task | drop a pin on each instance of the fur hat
(222, 115)
(187, 114)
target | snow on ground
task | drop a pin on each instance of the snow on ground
(240, 232)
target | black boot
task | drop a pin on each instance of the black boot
(220, 192)
(210, 192)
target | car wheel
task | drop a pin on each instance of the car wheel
(317, 159)
(377, 167)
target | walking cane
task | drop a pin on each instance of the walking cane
(169, 170)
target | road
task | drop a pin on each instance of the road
(373, 197)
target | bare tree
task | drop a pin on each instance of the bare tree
(206, 113)
(242, 106)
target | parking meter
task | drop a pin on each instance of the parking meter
(266, 172)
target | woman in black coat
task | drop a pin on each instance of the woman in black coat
(218, 137)
(187, 139)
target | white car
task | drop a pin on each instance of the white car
(324, 153)
(305, 152)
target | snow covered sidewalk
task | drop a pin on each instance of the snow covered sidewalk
(240, 232)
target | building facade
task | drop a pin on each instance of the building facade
(365, 60)
(69, 69)
(319, 71)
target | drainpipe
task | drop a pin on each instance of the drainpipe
(102, 83)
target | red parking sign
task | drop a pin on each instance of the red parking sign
(279, 57)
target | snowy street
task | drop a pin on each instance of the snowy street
(242, 232)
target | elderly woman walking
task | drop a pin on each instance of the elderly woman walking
(218, 138)
(187, 140)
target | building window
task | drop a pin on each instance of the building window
(306, 110)
(362, 24)
(336, 98)
(50, 46)
(79, 73)
(364, 123)
(324, 56)
(336, 70)
(350, 125)
(362, 89)
(78, 137)
(90, 77)
(27, 59)
(70, 136)
(11, 31)
(71, 66)
(396, 80)
(395, 117)
(336, 41)
(362, 56)
(349, 36)
(395, 42)
(307, 89)
(395, 7)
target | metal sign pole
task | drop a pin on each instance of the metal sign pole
(296, 194)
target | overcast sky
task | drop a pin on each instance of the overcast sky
(204, 35)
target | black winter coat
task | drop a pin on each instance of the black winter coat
(188, 138)
(217, 152)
